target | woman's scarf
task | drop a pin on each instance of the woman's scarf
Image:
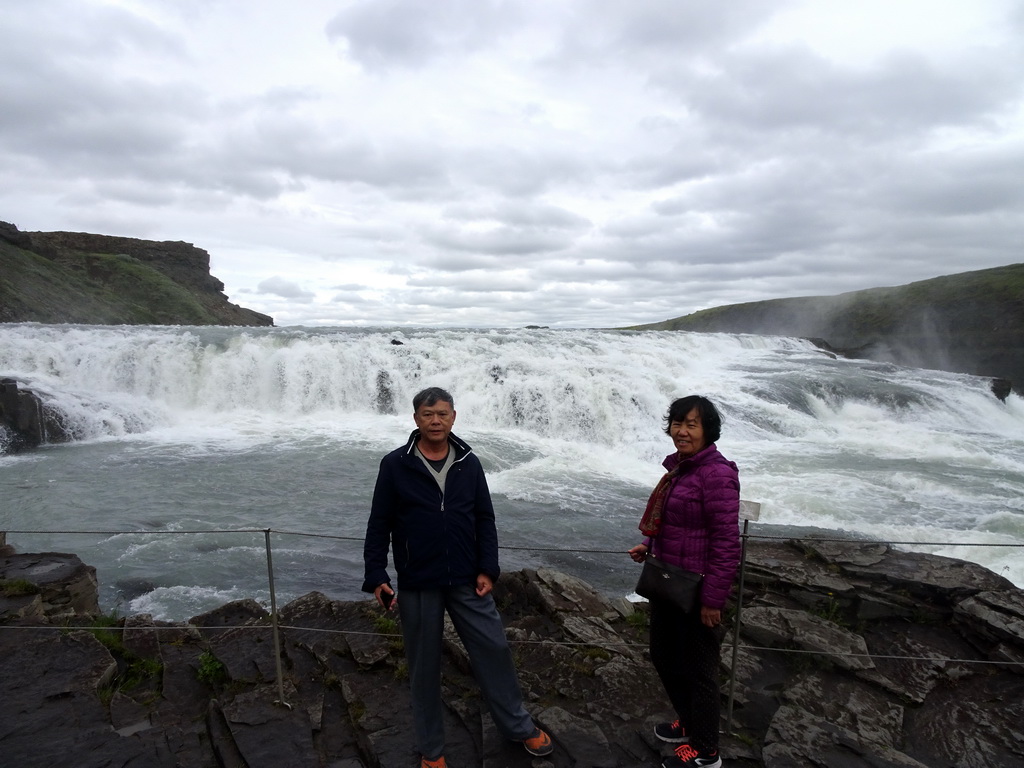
(650, 523)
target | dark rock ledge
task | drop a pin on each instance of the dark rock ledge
(205, 692)
(27, 420)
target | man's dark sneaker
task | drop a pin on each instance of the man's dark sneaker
(672, 732)
(539, 743)
(688, 757)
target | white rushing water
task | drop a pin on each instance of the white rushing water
(181, 429)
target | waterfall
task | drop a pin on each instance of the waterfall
(224, 427)
(609, 387)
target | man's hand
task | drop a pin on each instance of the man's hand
(385, 596)
(710, 617)
(484, 584)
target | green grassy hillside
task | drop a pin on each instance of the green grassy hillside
(972, 322)
(100, 289)
(99, 280)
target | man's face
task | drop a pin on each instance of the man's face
(435, 422)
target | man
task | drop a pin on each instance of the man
(432, 505)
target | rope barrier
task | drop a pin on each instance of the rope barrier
(511, 641)
(573, 550)
(274, 626)
(147, 533)
(890, 543)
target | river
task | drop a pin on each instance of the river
(221, 430)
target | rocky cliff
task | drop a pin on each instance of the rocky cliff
(971, 322)
(74, 277)
(850, 655)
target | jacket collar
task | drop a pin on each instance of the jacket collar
(461, 447)
(703, 456)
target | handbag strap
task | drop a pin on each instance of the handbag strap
(650, 549)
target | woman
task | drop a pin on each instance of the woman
(692, 521)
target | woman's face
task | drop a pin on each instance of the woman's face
(688, 434)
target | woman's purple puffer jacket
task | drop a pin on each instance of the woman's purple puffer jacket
(700, 523)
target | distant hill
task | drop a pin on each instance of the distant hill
(971, 322)
(75, 277)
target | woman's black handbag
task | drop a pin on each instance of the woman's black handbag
(662, 581)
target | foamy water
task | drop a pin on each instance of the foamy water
(182, 429)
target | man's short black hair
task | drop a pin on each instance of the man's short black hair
(710, 418)
(431, 396)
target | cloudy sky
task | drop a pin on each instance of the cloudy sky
(576, 163)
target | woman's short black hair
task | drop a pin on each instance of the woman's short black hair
(710, 418)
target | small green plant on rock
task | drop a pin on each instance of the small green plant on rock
(830, 610)
(133, 671)
(17, 588)
(139, 671)
(107, 628)
(211, 670)
(587, 660)
(638, 620)
(746, 738)
(356, 710)
(386, 625)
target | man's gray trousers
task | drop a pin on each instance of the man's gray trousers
(479, 627)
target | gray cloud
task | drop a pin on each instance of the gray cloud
(488, 163)
(895, 99)
(286, 289)
(350, 299)
(384, 33)
(502, 228)
(477, 281)
(647, 31)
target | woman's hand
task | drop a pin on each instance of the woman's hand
(638, 553)
(710, 617)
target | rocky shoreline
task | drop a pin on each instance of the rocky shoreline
(849, 654)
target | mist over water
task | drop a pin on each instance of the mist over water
(183, 429)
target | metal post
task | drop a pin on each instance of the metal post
(273, 624)
(750, 511)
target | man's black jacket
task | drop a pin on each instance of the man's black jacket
(436, 541)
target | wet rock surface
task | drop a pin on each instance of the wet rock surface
(27, 419)
(849, 655)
